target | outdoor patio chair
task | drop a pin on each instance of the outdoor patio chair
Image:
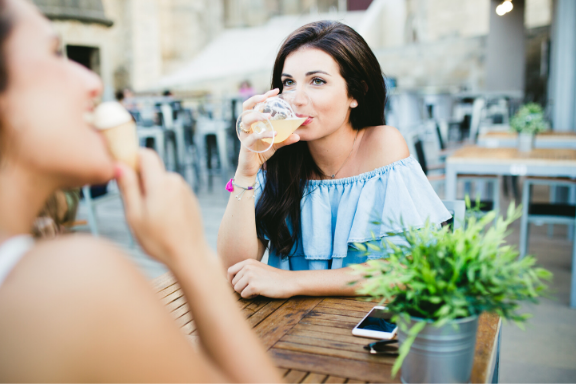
(92, 203)
(219, 128)
(479, 180)
(546, 213)
(457, 209)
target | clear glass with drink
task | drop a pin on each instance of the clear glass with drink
(270, 122)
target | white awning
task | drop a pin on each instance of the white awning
(242, 52)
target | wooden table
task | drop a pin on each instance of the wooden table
(508, 161)
(310, 338)
(551, 139)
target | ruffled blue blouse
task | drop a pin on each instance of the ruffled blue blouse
(335, 214)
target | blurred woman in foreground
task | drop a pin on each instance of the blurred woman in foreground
(74, 309)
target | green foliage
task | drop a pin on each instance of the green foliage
(529, 119)
(443, 275)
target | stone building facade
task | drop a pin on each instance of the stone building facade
(423, 43)
(132, 43)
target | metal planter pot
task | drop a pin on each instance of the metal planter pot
(440, 355)
(525, 142)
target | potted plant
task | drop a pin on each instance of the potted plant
(528, 121)
(440, 282)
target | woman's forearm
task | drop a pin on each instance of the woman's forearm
(237, 238)
(330, 282)
(224, 334)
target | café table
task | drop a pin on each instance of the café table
(542, 162)
(550, 139)
(310, 339)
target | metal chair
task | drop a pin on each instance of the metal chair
(457, 209)
(157, 136)
(485, 205)
(542, 213)
(91, 204)
(206, 126)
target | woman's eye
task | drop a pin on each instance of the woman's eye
(318, 81)
(288, 83)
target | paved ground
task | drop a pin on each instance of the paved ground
(544, 352)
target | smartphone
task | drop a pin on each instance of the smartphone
(376, 324)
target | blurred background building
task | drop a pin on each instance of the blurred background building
(210, 46)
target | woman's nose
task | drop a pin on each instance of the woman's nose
(94, 84)
(301, 97)
(90, 81)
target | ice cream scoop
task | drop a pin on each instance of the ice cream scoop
(119, 130)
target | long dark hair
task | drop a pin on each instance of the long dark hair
(5, 28)
(288, 171)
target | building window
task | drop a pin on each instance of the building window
(86, 56)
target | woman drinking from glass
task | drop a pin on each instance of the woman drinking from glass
(342, 177)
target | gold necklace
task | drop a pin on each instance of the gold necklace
(339, 169)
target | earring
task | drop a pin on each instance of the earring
(354, 104)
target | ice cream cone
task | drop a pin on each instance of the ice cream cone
(123, 143)
(119, 130)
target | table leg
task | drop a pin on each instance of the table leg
(496, 373)
(161, 145)
(571, 201)
(552, 200)
(222, 150)
(573, 285)
(180, 146)
(450, 183)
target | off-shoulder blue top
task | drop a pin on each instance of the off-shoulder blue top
(335, 214)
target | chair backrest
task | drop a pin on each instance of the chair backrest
(419, 148)
(477, 109)
(167, 116)
(440, 138)
(457, 209)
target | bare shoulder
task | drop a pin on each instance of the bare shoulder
(58, 301)
(383, 145)
(72, 259)
(58, 278)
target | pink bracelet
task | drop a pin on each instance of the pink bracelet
(230, 188)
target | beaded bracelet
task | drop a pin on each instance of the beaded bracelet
(230, 188)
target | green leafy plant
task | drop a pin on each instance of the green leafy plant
(529, 119)
(442, 275)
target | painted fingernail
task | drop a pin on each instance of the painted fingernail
(117, 171)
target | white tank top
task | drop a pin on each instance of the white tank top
(11, 251)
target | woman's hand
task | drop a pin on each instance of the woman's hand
(250, 162)
(161, 210)
(251, 278)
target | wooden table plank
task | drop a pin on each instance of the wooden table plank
(283, 319)
(352, 369)
(335, 380)
(315, 378)
(342, 319)
(327, 343)
(492, 155)
(326, 329)
(356, 315)
(348, 338)
(264, 312)
(486, 344)
(295, 376)
(310, 338)
(325, 348)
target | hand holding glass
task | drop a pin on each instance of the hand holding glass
(269, 123)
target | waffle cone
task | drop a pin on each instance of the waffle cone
(122, 143)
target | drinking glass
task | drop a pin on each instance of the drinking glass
(270, 122)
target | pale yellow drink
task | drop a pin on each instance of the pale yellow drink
(284, 128)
